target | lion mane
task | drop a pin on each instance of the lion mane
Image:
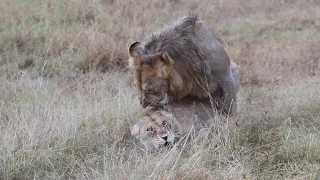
(180, 61)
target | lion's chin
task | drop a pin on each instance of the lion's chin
(157, 102)
(156, 105)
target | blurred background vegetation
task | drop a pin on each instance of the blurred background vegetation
(67, 100)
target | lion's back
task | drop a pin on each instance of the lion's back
(193, 113)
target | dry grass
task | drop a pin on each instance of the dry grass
(58, 123)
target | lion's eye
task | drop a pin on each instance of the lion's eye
(164, 123)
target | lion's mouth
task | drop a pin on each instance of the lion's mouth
(155, 101)
(167, 143)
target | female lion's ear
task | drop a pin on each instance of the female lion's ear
(135, 130)
(134, 50)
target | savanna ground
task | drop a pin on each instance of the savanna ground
(67, 100)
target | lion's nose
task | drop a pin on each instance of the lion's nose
(165, 138)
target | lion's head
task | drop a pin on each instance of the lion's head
(166, 126)
(151, 75)
(157, 129)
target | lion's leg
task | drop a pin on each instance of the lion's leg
(229, 104)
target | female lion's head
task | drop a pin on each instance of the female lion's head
(154, 132)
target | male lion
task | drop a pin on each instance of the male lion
(163, 127)
(183, 60)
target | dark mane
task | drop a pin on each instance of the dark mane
(188, 61)
(174, 39)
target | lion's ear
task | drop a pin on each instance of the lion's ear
(135, 130)
(134, 53)
(134, 50)
(167, 60)
(168, 63)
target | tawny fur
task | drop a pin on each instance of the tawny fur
(166, 126)
(180, 61)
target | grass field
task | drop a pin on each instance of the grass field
(67, 100)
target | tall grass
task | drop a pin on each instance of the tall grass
(57, 122)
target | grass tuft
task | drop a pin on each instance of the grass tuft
(62, 118)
